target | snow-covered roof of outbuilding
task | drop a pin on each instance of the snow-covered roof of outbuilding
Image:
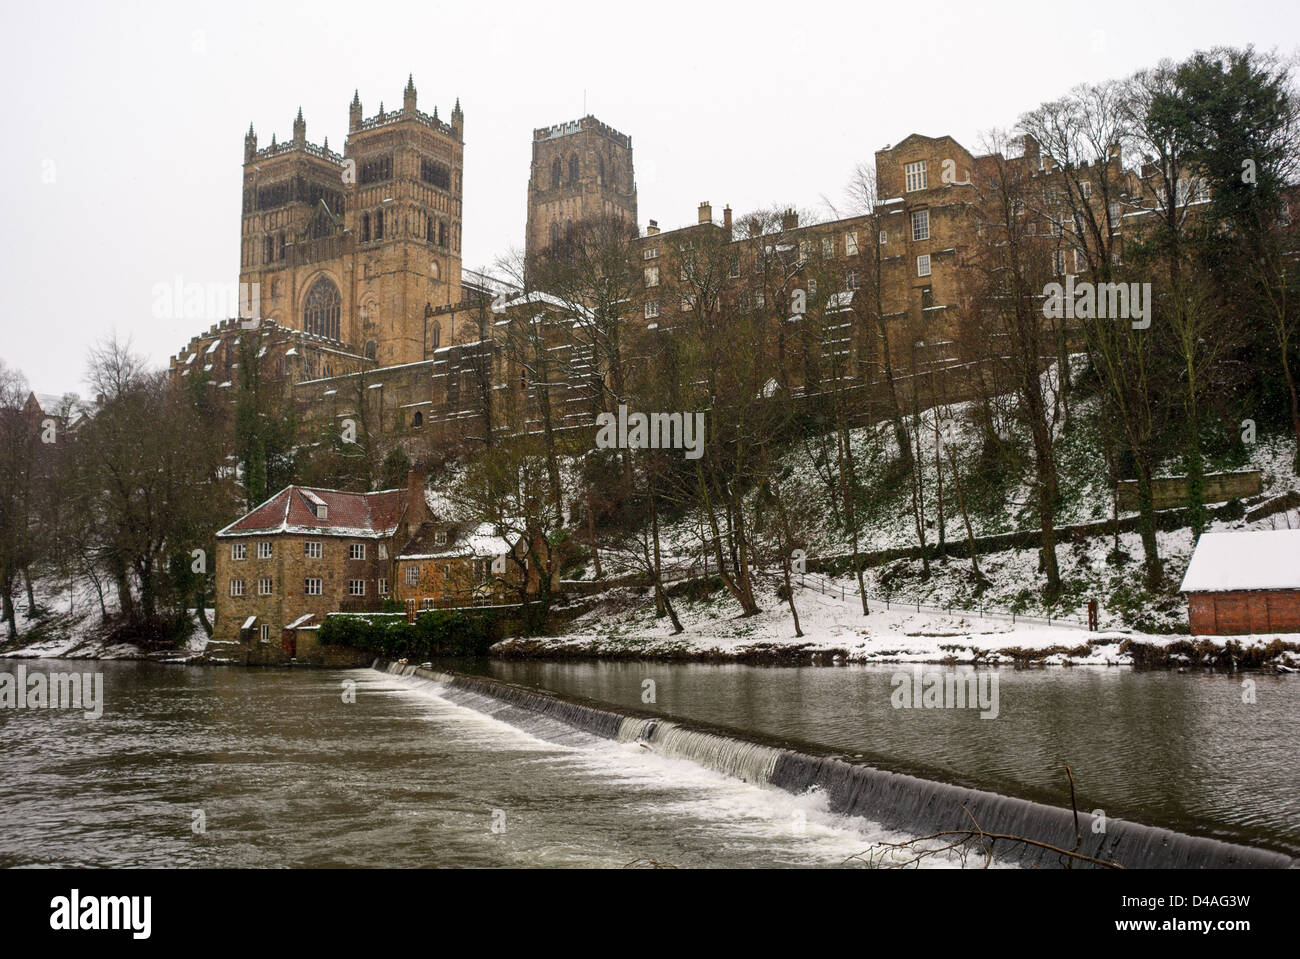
(1249, 560)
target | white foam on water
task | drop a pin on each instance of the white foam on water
(728, 817)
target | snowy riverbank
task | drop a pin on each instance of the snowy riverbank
(623, 626)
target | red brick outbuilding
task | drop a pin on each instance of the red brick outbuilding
(1244, 583)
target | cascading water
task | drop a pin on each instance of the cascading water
(896, 801)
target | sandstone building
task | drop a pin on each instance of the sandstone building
(369, 315)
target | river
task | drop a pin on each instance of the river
(1179, 750)
(226, 767)
(286, 774)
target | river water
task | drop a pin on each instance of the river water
(285, 773)
(223, 767)
(1180, 750)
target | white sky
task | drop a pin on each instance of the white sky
(139, 109)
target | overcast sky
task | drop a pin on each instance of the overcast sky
(124, 122)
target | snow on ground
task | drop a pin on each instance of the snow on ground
(624, 625)
(68, 624)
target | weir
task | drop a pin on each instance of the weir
(895, 800)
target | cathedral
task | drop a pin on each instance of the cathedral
(356, 256)
(366, 312)
(351, 248)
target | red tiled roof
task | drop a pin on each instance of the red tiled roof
(349, 514)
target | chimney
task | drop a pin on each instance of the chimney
(652, 229)
(417, 509)
(789, 221)
(726, 218)
(706, 212)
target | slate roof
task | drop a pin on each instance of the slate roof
(481, 541)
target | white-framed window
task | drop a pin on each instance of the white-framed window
(1114, 258)
(884, 237)
(1058, 262)
(356, 551)
(760, 300)
(920, 225)
(236, 587)
(356, 587)
(239, 551)
(446, 573)
(828, 246)
(313, 586)
(266, 632)
(1056, 226)
(688, 302)
(265, 586)
(1080, 262)
(923, 265)
(412, 575)
(651, 253)
(812, 289)
(734, 271)
(312, 549)
(850, 244)
(805, 249)
(1085, 189)
(652, 276)
(915, 176)
(652, 309)
(383, 551)
(382, 586)
(265, 549)
(1200, 189)
(440, 537)
(851, 279)
(1114, 216)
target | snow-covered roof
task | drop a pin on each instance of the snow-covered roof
(1255, 559)
(481, 541)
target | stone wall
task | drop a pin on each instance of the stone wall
(1170, 492)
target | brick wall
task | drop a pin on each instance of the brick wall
(1240, 613)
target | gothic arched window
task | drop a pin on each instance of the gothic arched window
(555, 234)
(428, 229)
(371, 349)
(437, 335)
(442, 232)
(555, 173)
(365, 228)
(573, 168)
(320, 313)
(417, 419)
